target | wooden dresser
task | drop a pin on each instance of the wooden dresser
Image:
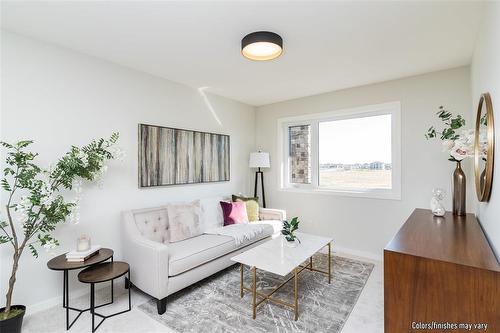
(439, 271)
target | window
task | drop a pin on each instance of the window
(353, 152)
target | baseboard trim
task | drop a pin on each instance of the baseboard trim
(339, 250)
(54, 301)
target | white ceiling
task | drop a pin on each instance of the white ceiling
(328, 45)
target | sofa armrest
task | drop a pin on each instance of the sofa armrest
(148, 260)
(272, 214)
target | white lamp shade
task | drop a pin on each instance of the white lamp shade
(259, 160)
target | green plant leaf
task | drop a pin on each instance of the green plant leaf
(5, 185)
(33, 251)
(23, 143)
(4, 239)
(6, 145)
(457, 122)
(451, 124)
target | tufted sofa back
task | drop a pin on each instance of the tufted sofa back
(152, 223)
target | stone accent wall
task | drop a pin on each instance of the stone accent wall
(300, 154)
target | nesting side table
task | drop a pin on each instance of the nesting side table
(103, 272)
(60, 263)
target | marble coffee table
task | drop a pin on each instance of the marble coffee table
(276, 257)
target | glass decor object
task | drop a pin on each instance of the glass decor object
(437, 206)
(83, 243)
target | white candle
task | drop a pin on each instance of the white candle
(83, 243)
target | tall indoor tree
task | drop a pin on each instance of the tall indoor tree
(35, 203)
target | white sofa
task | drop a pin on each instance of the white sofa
(161, 268)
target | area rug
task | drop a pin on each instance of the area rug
(214, 304)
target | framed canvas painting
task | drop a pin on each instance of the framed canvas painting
(172, 156)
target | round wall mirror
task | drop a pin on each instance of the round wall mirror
(484, 147)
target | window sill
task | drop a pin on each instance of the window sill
(384, 195)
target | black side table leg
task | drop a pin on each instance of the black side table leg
(65, 298)
(92, 305)
(64, 289)
(129, 299)
(112, 285)
(91, 275)
(66, 302)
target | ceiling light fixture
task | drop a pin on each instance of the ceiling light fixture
(262, 45)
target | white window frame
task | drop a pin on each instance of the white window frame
(392, 108)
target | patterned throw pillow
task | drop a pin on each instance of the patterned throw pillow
(184, 221)
(234, 212)
(252, 206)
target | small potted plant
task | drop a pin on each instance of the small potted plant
(288, 231)
(34, 204)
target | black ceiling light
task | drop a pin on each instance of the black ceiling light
(262, 45)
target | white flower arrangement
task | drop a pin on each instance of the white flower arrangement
(463, 146)
(458, 146)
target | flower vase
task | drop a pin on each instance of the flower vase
(459, 190)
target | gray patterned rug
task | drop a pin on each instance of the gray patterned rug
(214, 304)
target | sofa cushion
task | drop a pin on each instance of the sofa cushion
(184, 220)
(234, 212)
(252, 205)
(211, 213)
(196, 251)
(153, 224)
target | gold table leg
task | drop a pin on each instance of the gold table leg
(296, 271)
(296, 294)
(254, 292)
(241, 280)
(329, 263)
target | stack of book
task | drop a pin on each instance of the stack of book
(80, 256)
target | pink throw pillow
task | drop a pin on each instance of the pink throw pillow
(234, 212)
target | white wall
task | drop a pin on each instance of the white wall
(485, 77)
(363, 224)
(59, 98)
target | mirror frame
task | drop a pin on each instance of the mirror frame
(483, 194)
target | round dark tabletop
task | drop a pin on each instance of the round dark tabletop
(103, 272)
(60, 263)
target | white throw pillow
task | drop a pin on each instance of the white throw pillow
(184, 221)
(211, 213)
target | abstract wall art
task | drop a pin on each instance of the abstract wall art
(171, 156)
